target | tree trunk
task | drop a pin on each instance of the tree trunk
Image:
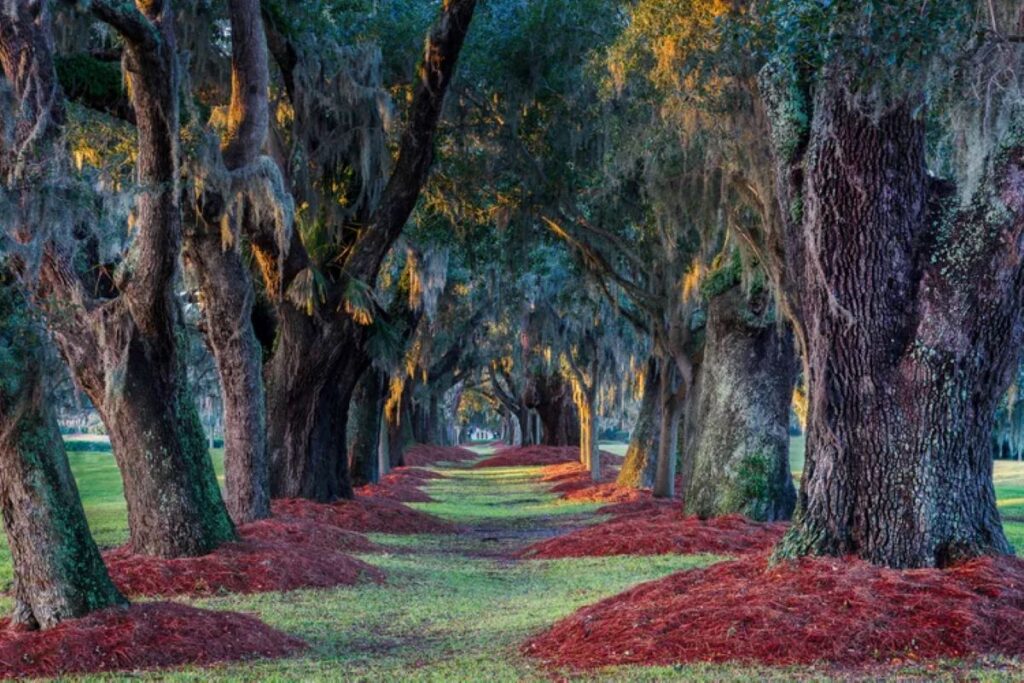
(673, 403)
(319, 357)
(525, 427)
(124, 350)
(224, 279)
(553, 402)
(383, 445)
(367, 406)
(642, 456)
(741, 447)
(58, 571)
(910, 305)
(589, 453)
(309, 387)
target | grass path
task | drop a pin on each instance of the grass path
(457, 607)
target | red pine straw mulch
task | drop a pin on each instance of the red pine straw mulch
(536, 456)
(280, 554)
(402, 484)
(574, 482)
(366, 514)
(424, 455)
(305, 532)
(659, 530)
(144, 636)
(837, 611)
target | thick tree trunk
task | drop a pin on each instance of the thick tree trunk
(557, 412)
(174, 503)
(910, 306)
(309, 387)
(641, 460)
(58, 571)
(364, 444)
(124, 350)
(525, 431)
(741, 446)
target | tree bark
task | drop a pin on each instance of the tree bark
(124, 351)
(224, 281)
(741, 446)
(910, 308)
(672, 400)
(641, 460)
(367, 407)
(590, 455)
(558, 414)
(58, 571)
(307, 421)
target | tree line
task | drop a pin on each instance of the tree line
(667, 214)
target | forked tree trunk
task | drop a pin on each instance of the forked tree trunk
(641, 460)
(312, 374)
(58, 571)
(911, 305)
(125, 351)
(741, 445)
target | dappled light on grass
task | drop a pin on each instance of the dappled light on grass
(534, 456)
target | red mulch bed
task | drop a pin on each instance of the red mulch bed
(414, 474)
(280, 554)
(659, 530)
(842, 612)
(574, 482)
(145, 636)
(402, 484)
(536, 456)
(400, 491)
(366, 514)
(424, 455)
(305, 532)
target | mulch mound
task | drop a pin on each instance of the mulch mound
(402, 484)
(842, 612)
(365, 514)
(573, 482)
(660, 529)
(299, 531)
(275, 555)
(144, 636)
(424, 455)
(414, 474)
(538, 456)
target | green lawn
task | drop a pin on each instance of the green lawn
(454, 608)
